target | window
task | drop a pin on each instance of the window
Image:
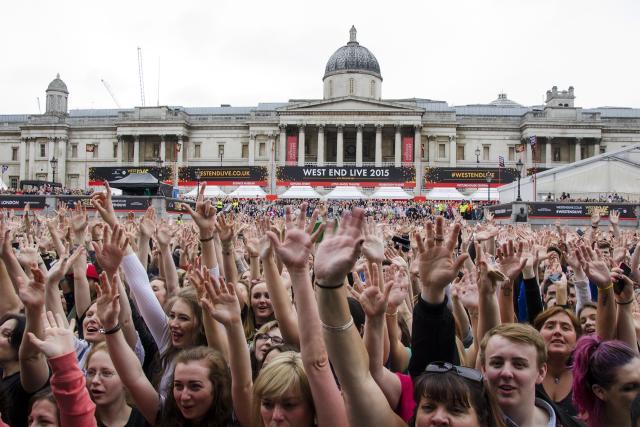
(43, 150)
(14, 154)
(485, 153)
(441, 151)
(352, 86)
(13, 181)
(555, 150)
(245, 151)
(197, 151)
(156, 151)
(74, 151)
(115, 150)
(373, 88)
(460, 152)
(512, 154)
(261, 149)
(603, 149)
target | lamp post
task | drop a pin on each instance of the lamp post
(519, 167)
(54, 167)
(221, 153)
(489, 178)
(159, 166)
(477, 157)
(198, 177)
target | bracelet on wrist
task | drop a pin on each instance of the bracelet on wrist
(625, 303)
(329, 287)
(606, 288)
(208, 239)
(110, 330)
(341, 328)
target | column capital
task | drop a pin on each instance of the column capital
(452, 138)
(432, 137)
(162, 136)
(549, 139)
(301, 125)
(360, 126)
(417, 127)
(180, 137)
(252, 135)
(340, 127)
(578, 140)
(398, 127)
(282, 127)
(379, 127)
(321, 127)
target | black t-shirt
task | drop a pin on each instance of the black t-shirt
(14, 401)
(135, 419)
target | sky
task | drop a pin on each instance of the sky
(209, 52)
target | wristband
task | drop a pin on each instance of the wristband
(110, 331)
(625, 303)
(208, 239)
(608, 287)
(341, 328)
(329, 287)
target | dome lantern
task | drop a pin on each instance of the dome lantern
(57, 97)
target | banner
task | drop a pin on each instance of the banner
(580, 210)
(223, 175)
(98, 175)
(120, 203)
(468, 177)
(292, 149)
(407, 149)
(321, 176)
(16, 201)
(501, 211)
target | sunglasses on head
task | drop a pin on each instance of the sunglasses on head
(444, 367)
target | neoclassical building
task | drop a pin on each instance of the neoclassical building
(351, 128)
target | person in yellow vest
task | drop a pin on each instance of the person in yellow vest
(219, 205)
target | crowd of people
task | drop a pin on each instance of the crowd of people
(312, 318)
(602, 198)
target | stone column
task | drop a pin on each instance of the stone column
(340, 146)
(453, 153)
(32, 158)
(547, 154)
(417, 143)
(136, 150)
(163, 148)
(50, 154)
(120, 143)
(578, 153)
(179, 154)
(397, 148)
(282, 148)
(596, 147)
(62, 160)
(301, 143)
(320, 159)
(252, 149)
(359, 128)
(378, 145)
(23, 158)
(431, 146)
(530, 159)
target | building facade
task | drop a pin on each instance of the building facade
(352, 127)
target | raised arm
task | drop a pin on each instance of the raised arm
(124, 359)
(625, 330)
(335, 257)
(487, 279)
(145, 231)
(511, 265)
(294, 254)
(227, 233)
(54, 276)
(164, 234)
(598, 273)
(9, 257)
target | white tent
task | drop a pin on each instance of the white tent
(300, 192)
(445, 193)
(345, 193)
(481, 194)
(390, 193)
(209, 191)
(248, 192)
(616, 171)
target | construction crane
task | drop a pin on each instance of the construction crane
(106, 86)
(141, 75)
(39, 110)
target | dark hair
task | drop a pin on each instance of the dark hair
(219, 414)
(451, 389)
(587, 304)
(595, 362)
(44, 394)
(542, 317)
(16, 335)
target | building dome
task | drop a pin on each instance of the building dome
(352, 58)
(503, 101)
(58, 85)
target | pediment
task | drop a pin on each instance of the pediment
(351, 104)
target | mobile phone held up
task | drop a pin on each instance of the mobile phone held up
(555, 277)
(618, 285)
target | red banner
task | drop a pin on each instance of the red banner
(292, 149)
(407, 149)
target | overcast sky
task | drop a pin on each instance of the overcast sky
(241, 53)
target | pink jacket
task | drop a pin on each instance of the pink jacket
(68, 386)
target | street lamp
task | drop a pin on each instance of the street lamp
(54, 167)
(198, 177)
(221, 152)
(489, 178)
(519, 167)
(159, 166)
(477, 156)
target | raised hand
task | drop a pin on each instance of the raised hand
(511, 260)
(487, 276)
(468, 292)
(373, 301)
(294, 251)
(32, 294)
(5, 239)
(339, 249)
(108, 301)
(594, 265)
(58, 336)
(28, 253)
(164, 234)
(226, 228)
(112, 250)
(614, 217)
(395, 258)
(436, 264)
(373, 246)
(79, 220)
(148, 222)
(221, 301)
(627, 293)
(399, 288)
(252, 242)
(103, 204)
(57, 272)
(595, 218)
(204, 215)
